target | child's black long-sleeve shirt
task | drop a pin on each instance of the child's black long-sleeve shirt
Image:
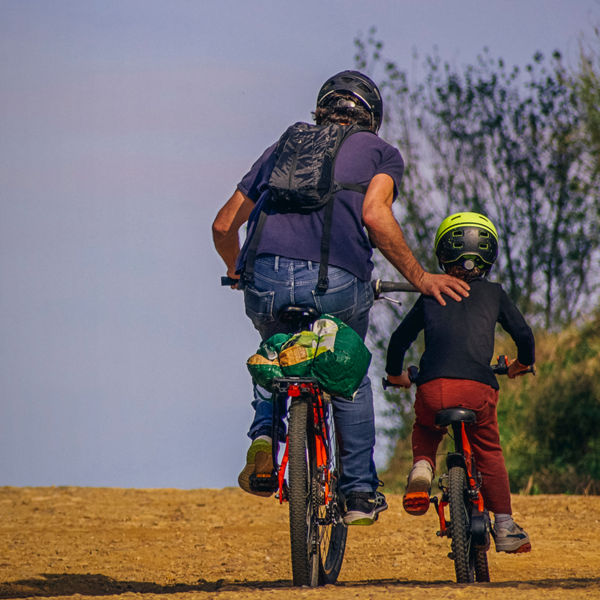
(459, 337)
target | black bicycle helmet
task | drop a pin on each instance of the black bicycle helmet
(361, 87)
(467, 239)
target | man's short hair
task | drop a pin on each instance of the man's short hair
(344, 109)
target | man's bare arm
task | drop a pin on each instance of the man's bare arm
(387, 235)
(226, 226)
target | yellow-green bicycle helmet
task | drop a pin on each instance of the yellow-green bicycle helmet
(468, 239)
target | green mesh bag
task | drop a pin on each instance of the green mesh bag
(333, 353)
(264, 365)
(342, 360)
(297, 354)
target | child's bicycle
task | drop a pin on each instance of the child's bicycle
(311, 456)
(469, 526)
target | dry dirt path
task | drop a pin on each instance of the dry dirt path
(152, 544)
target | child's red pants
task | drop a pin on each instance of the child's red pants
(483, 436)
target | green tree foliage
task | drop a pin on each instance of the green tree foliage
(587, 87)
(507, 143)
(550, 423)
(520, 145)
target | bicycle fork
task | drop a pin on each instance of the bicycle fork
(306, 392)
(463, 457)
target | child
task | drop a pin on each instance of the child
(455, 368)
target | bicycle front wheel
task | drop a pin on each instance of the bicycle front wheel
(460, 526)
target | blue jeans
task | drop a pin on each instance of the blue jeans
(279, 281)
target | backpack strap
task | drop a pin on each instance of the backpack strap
(248, 273)
(323, 281)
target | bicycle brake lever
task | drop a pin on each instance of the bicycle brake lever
(386, 384)
(393, 300)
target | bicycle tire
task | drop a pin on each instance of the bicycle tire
(317, 532)
(460, 526)
(482, 572)
(333, 532)
(300, 497)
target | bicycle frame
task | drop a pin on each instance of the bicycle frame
(304, 390)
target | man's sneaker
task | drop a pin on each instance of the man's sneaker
(512, 539)
(363, 508)
(416, 498)
(259, 462)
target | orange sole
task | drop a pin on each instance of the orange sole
(521, 549)
(416, 503)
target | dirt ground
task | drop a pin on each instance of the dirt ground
(149, 544)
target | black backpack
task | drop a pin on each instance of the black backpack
(302, 182)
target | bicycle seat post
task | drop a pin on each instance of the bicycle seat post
(455, 417)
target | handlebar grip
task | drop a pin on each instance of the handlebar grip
(229, 280)
(393, 286)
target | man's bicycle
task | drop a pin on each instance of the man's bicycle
(311, 458)
(317, 531)
(468, 526)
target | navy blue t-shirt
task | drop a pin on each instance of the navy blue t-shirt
(362, 156)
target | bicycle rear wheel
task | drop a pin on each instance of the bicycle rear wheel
(317, 533)
(460, 526)
(332, 531)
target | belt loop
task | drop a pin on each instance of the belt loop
(276, 266)
(309, 265)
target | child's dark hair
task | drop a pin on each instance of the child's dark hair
(461, 273)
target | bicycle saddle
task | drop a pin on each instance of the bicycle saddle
(447, 416)
(298, 316)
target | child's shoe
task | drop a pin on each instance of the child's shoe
(259, 462)
(416, 497)
(512, 538)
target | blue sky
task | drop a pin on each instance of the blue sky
(124, 125)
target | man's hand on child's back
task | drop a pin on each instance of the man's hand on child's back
(436, 285)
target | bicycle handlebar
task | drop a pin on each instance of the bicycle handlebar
(379, 286)
(500, 368)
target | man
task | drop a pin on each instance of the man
(286, 270)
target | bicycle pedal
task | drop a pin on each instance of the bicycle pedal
(264, 482)
(416, 503)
